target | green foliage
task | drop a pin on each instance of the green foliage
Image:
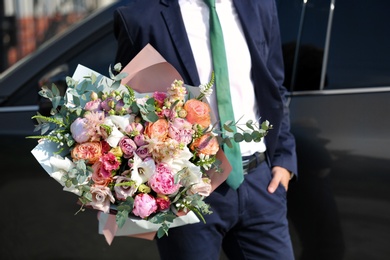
(124, 208)
(148, 111)
(164, 219)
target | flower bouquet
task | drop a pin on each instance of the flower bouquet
(143, 158)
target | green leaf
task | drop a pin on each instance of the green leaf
(121, 217)
(56, 101)
(249, 124)
(55, 90)
(256, 136)
(163, 230)
(93, 78)
(228, 142)
(227, 128)
(238, 137)
(247, 137)
(162, 217)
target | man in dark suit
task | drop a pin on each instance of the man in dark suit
(248, 222)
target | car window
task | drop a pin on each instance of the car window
(346, 41)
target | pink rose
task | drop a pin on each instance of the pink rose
(79, 130)
(125, 190)
(202, 188)
(128, 147)
(101, 198)
(100, 176)
(181, 130)
(144, 205)
(163, 181)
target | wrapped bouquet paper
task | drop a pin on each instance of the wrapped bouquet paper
(137, 146)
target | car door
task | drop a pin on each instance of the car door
(339, 78)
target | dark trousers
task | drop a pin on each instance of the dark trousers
(248, 223)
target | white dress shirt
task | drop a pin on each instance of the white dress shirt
(196, 16)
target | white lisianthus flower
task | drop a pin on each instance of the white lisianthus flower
(115, 135)
(122, 121)
(141, 171)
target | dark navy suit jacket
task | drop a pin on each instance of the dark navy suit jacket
(159, 22)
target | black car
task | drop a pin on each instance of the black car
(337, 64)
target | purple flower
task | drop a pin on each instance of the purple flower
(128, 147)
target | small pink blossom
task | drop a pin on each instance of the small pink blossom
(144, 205)
(95, 120)
(163, 181)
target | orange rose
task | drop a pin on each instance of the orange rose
(157, 130)
(198, 112)
(89, 151)
(207, 144)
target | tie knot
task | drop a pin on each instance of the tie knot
(210, 3)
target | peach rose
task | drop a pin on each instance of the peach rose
(157, 130)
(203, 188)
(198, 112)
(206, 144)
(89, 151)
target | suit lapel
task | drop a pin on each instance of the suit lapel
(176, 29)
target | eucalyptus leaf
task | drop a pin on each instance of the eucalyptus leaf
(228, 142)
(93, 78)
(247, 137)
(227, 128)
(121, 217)
(238, 137)
(249, 124)
(151, 117)
(55, 90)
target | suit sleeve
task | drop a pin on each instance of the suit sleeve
(125, 49)
(285, 154)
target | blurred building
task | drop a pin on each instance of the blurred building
(27, 24)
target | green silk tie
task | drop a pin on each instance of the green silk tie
(225, 108)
